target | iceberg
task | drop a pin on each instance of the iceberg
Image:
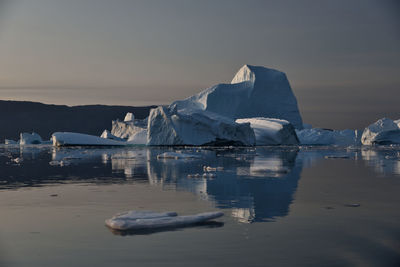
(78, 139)
(170, 127)
(30, 139)
(318, 136)
(126, 129)
(254, 92)
(139, 220)
(383, 132)
(272, 131)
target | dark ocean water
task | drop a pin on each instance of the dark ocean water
(283, 206)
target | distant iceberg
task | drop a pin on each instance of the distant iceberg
(30, 139)
(78, 139)
(318, 136)
(383, 132)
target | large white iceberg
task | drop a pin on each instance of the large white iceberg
(78, 139)
(382, 132)
(254, 92)
(169, 127)
(272, 131)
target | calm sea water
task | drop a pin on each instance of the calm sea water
(306, 206)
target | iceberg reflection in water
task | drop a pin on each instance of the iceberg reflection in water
(257, 184)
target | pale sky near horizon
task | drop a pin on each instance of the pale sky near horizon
(341, 57)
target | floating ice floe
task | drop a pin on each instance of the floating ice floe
(175, 155)
(137, 220)
(272, 131)
(78, 139)
(255, 91)
(168, 127)
(383, 132)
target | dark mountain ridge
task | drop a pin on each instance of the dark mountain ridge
(44, 119)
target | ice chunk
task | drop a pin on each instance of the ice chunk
(129, 117)
(78, 139)
(125, 130)
(107, 135)
(272, 131)
(175, 155)
(30, 139)
(382, 132)
(169, 127)
(318, 136)
(136, 220)
(254, 92)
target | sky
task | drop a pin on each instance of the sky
(342, 58)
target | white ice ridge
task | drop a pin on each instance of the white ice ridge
(272, 131)
(383, 132)
(170, 127)
(254, 92)
(136, 220)
(78, 139)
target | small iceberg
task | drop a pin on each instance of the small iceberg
(78, 139)
(140, 220)
(383, 132)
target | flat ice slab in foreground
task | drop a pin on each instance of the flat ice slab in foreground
(138, 220)
(78, 139)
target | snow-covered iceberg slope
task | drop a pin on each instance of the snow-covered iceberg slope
(170, 127)
(383, 132)
(254, 92)
(137, 220)
(272, 131)
(78, 139)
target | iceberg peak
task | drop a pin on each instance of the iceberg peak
(255, 91)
